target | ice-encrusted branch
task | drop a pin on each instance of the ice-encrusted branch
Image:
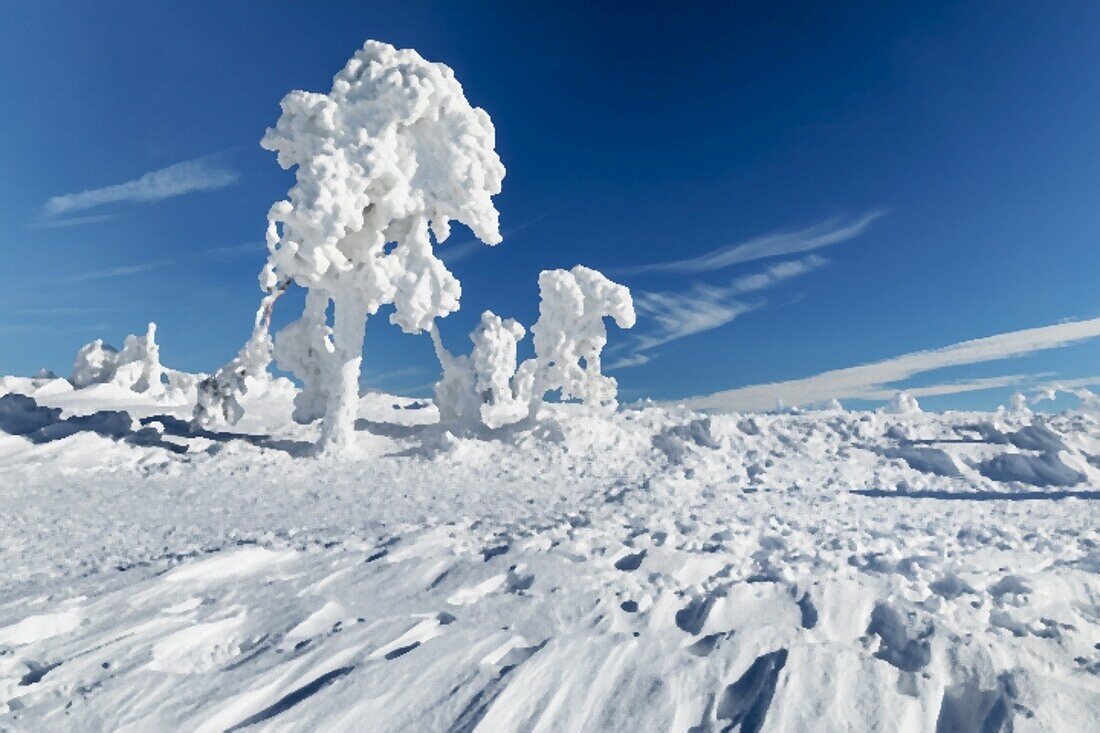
(218, 396)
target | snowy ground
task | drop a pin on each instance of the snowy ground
(648, 570)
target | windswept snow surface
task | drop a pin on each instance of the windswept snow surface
(645, 569)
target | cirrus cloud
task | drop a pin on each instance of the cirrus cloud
(200, 174)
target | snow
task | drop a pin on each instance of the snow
(587, 569)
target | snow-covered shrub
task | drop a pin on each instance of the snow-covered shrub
(903, 403)
(456, 394)
(488, 387)
(137, 367)
(218, 398)
(95, 364)
(389, 156)
(1019, 404)
(570, 333)
(505, 390)
(485, 387)
(138, 364)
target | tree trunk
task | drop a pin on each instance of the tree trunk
(348, 329)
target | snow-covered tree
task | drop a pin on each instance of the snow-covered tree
(570, 333)
(138, 363)
(95, 364)
(136, 367)
(305, 348)
(385, 161)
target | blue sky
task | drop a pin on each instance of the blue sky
(788, 189)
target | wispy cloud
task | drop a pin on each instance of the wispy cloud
(672, 316)
(678, 315)
(829, 232)
(112, 272)
(870, 381)
(957, 387)
(38, 327)
(462, 250)
(217, 254)
(377, 378)
(70, 222)
(1068, 384)
(58, 311)
(233, 251)
(200, 174)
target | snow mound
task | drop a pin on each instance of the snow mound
(927, 460)
(1041, 470)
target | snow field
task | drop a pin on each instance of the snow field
(644, 569)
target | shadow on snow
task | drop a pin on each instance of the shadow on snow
(978, 495)
(22, 415)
